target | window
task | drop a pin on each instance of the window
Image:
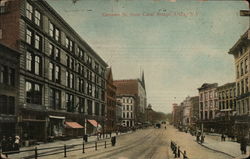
(97, 108)
(11, 77)
(29, 11)
(71, 80)
(3, 8)
(51, 50)
(57, 34)
(72, 66)
(81, 105)
(38, 42)
(51, 29)
(57, 54)
(127, 107)
(28, 61)
(57, 74)
(28, 36)
(67, 79)
(70, 102)
(102, 72)
(89, 89)
(89, 61)
(37, 65)
(33, 93)
(68, 60)
(246, 84)
(89, 107)
(246, 65)
(127, 114)
(238, 71)
(7, 105)
(67, 42)
(241, 69)
(55, 98)
(51, 71)
(242, 87)
(37, 18)
(71, 45)
(96, 67)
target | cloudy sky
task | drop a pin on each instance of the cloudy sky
(179, 45)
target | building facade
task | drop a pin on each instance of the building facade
(208, 106)
(186, 106)
(111, 102)
(241, 53)
(9, 68)
(62, 79)
(227, 108)
(226, 99)
(128, 110)
(137, 89)
(118, 113)
(194, 111)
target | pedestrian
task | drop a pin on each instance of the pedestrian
(243, 145)
(197, 137)
(10, 144)
(17, 143)
(4, 144)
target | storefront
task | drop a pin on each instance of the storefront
(56, 126)
(93, 127)
(74, 129)
(7, 125)
(242, 127)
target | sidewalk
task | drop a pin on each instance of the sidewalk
(58, 143)
(230, 148)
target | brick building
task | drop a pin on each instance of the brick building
(62, 79)
(9, 68)
(137, 89)
(208, 105)
(111, 102)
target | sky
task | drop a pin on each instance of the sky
(179, 44)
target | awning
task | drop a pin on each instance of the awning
(94, 123)
(57, 117)
(74, 125)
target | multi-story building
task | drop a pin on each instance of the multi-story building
(9, 68)
(241, 53)
(226, 99)
(128, 109)
(194, 111)
(208, 104)
(111, 102)
(118, 113)
(176, 115)
(186, 106)
(62, 79)
(137, 89)
(227, 106)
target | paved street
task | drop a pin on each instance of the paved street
(147, 143)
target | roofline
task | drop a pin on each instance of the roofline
(46, 5)
(235, 46)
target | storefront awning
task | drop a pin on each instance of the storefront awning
(57, 117)
(94, 123)
(73, 125)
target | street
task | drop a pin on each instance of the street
(150, 143)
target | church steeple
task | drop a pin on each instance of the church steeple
(143, 80)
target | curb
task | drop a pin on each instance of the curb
(216, 150)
